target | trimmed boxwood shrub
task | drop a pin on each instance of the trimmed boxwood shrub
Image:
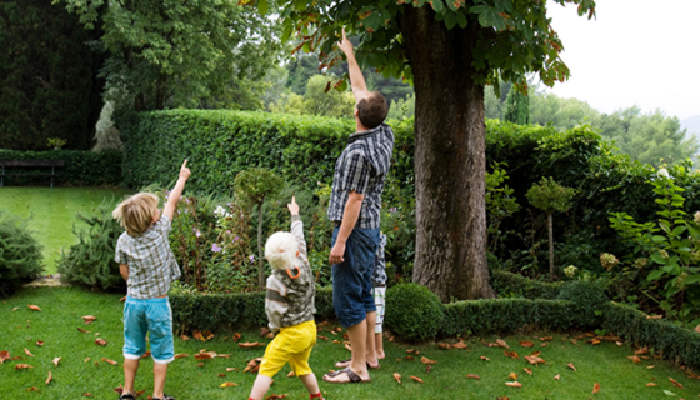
(413, 312)
(230, 311)
(469, 317)
(82, 168)
(673, 341)
(508, 284)
(20, 255)
(589, 298)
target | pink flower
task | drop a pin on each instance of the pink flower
(215, 248)
(252, 258)
(197, 232)
(228, 231)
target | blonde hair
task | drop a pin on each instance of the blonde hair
(136, 213)
(281, 250)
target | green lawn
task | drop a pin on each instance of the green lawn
(81, 369)
(51, 213)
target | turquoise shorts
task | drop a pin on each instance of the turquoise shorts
(152, 316)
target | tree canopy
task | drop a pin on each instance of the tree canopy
(170, 53)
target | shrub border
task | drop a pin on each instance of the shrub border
(231, 311)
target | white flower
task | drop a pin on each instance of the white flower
(662, 173)
(220, 211)
(570, 271)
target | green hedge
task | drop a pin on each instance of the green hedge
(507, 284)
(82, 168)
(674, 342)
(469, 317)
(228, 311)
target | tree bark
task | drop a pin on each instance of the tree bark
(450, 160)
(552, 274)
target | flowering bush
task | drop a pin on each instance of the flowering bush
(666, 252)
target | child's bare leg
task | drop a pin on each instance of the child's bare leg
(379, 346)
(130, 367)
(159, 371)
(371, 357)
(309, 381)
(260, 387)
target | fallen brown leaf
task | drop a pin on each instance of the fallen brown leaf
(226, 356)
(196, 334)
(48, 380)
(416, 379)
(322, 337)
(557, 377)
(641, 351)
(87, 394)
(596, 388)
(650, 384)
(347, 347)
(204, 356)
(397, 377)
(88, 319)
(108, 361)
(594, 341)
(545, 338)
(511, 354)
(503, 398)
(527, 371)
(23, 366)
(248, 345)
(650, 366)
(86, 359)
(181, 355)
(227, 384)
(291, 374)
(635, 359)
(515, 384)
(484, 358)
(675, 383)
(275, 396)
(513, 376)
(27, 352)
(4, 355)
(184, 337)
(654, 316)
(32, 389)
(571, 366)
(81, 330)
(526, 343)
(473, 376)
(460, 346)
(33, 307)
(409, 357)
(236, 337)
(533, 359)
(444, 346)
(100, 342)
(39, 343)
(234, 369)
(427, 361)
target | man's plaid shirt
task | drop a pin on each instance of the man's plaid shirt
(152, 265)
(362, 167)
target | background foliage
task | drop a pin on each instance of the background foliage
(20, 255)
(49, 83)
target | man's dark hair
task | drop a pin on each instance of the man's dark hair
(372, 110)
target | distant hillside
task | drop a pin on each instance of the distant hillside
(692, 125)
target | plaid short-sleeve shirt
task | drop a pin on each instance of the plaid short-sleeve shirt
(362, 167)
(152, 265)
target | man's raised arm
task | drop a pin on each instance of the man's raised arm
(357, 81)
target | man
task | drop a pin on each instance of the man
(354, 207)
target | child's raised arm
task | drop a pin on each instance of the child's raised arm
(296, 227)
(177, 191)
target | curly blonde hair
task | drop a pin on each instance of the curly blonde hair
(135, 214)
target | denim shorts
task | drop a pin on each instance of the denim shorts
(352, 279)
(152, 316)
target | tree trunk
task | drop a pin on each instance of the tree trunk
(450, 159)
(552, 274)
(261, 265)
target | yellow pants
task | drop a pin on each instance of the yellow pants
(292, 345)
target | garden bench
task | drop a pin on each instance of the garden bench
(30, 168)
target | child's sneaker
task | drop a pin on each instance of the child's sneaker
(165, 397)
(127, 397)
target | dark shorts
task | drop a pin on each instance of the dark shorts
(352, 279)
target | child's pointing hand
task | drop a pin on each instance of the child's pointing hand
(293, 207)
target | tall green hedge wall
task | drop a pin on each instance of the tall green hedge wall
(82, 168)
(303, 149)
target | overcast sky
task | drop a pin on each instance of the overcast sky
(634, 52)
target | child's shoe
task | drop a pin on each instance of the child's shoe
(165, 397)
(127, 397)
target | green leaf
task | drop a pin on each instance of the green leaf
(438, 6)
(262, 7)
